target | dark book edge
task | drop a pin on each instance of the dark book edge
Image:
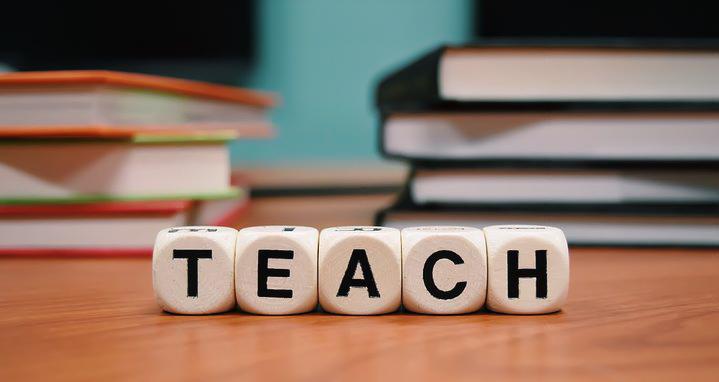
(404, 203)
(557, 163)
(678, 208)
(658, 43)
(416, 85)
(413, 86)
(616, 106)
(383, 216)
(401, 200)
(268, 192)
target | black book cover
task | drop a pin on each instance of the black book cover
(671, 207)
(405, 205)
(416, 88)
(548, 162)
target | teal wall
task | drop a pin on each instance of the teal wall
(324, 57)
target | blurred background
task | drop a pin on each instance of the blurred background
(321, 57)
(356, 83)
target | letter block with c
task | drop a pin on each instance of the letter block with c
(444, 269)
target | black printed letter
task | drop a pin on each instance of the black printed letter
(192, 255)
(264, 272)
(514, 273)
(359, 257)
(429, 279)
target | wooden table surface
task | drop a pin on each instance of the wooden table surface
(632, 314)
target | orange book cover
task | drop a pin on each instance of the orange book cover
(20, 81)
(103, 132)
(137, 81)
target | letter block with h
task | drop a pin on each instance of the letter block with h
(528, 269)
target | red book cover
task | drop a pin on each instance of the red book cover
(227, 217)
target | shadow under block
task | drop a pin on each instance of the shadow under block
(528, 269)
(360, 270)
(193, 269)
(444, 269)
(276, 269)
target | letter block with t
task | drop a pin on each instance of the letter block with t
(276, 269)
(360, 270)
(528, 269)
(444, 269)
(192, 269)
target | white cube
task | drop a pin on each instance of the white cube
(360, 270)
(276, 269)
(528, 269)
(193, 269)
(444, 269)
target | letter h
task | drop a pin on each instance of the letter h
(514, 273)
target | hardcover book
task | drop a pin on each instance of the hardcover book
(620, 224)
(142, 167)
(105, 102)
(456, 76)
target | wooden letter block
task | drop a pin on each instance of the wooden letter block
(276, 269)
(192, 269)
(528, 269)
(444, 269)
(360, 270)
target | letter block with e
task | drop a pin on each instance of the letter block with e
(528, 269)
(444, 269)
(192, 269)
(360, 270)
(276, 269)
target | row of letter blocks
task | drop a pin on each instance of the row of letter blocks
(277, 270)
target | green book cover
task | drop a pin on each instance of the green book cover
(139, 138)
(229, 193)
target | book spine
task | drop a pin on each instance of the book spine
(613, 107)
(648, 209)
(415, 86)
(559, 163)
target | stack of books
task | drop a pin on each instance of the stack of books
(617, 144)
(95, 162)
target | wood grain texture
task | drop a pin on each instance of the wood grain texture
(632, 314)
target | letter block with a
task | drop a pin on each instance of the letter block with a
(192, 269)
(444, 269)
(276, 269)
(528, 269)
(360, 270)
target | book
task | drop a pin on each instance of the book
(102, 102)
(144, 167)
(439, 186)
(644, 226)
(672, 136)
(105, 228)
(614, 143)
(454, 75)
